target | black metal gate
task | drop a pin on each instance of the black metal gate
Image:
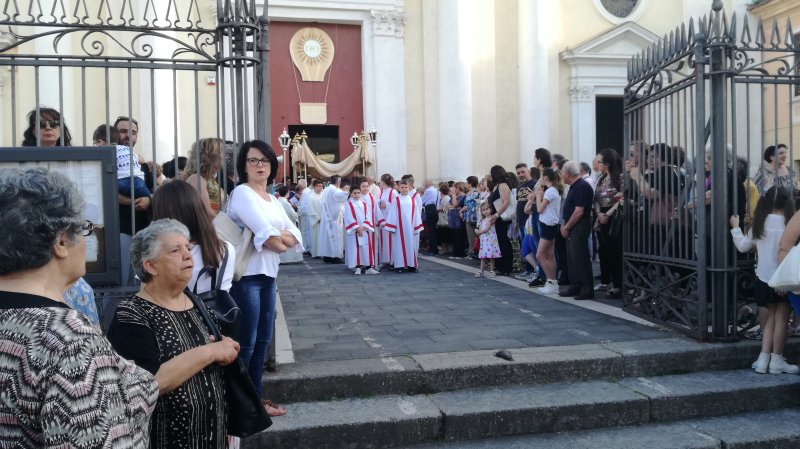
(176, 70)
(702, 108)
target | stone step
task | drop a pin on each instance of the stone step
(434, 373)
(773, 429)
(398, 420)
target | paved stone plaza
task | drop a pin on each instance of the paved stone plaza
(334, 315)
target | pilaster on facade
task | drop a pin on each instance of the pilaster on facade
(388, 22)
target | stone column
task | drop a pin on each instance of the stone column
(582, 100)
(455, 96)
(534, 77)
(386, 64)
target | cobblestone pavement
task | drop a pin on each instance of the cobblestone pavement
(333, 315)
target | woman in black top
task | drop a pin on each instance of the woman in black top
(502, 192)
(160, 330)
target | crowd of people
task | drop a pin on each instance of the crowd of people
(157, 362)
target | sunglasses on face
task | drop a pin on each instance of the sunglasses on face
(52, 124)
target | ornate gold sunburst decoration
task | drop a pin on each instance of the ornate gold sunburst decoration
(312, 53)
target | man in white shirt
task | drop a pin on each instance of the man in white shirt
(586, 174)
(430, 202)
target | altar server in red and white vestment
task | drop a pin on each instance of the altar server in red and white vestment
(388, 194)
(374, 216)
(358, 229)
(409, 179)
(404, 224)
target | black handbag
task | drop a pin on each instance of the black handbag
(219, 301)
(616, 226)
(246, 413)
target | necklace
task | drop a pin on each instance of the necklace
(162, 303)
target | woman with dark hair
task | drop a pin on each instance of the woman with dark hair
(470, 211)
(45, 129)
(180, 201)
(273, 233)
(502, 192)
(442, 231)
(773, 212)
(607, 195)
(773, 171)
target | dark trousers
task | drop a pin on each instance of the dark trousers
(579, 259)
(431, 218)
(561, 259)
(610, 257)
(505, 264)
(459, 240)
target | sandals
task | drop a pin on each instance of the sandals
(477, 275)
(490, 274)
(273, 409)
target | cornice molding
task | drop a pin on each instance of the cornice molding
(770, 9)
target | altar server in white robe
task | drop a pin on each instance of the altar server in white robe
(282, 193)
(374, 216)
(404, 224)
(302, 210)
(359, 229)
(314, 210)
(409, 179)
(388, 194)
(331, 232)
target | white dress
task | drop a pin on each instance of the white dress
(385, 247)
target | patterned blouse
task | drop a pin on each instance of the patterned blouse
(81, 298)
(61, 383)
(605, 192)
(194, 415)
(764, 180)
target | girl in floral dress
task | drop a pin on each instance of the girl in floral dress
(490, 248)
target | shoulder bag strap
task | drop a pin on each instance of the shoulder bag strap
(212, 273)
(222, 268)
(212, 326)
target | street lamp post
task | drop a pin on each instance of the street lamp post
(354, 140)
(284, 141)
(373, 139)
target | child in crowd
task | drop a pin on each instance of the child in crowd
(373, 216)
(358, 230)
(490, 248)
(772, 213)
(109, 135)
(548, 205)
(404, 222)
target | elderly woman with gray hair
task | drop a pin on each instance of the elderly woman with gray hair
(62, 383)
(160, 330)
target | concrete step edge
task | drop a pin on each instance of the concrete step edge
(390, 421)
(765, 429)
(433, 373)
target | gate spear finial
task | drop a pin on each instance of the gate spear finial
(716, 5)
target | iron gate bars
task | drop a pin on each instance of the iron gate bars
(701, 106)
(183, 69)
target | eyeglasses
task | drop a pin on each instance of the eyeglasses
(52, 124)
(87, 228)
(254, 162)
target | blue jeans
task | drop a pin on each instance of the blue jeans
(140, 189)
(255, 296)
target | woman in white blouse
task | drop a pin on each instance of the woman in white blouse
(273, 233)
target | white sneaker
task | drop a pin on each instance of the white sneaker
(358, 271)
(371, 271)
(762, 363)
(778, 365)
(550, 288)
